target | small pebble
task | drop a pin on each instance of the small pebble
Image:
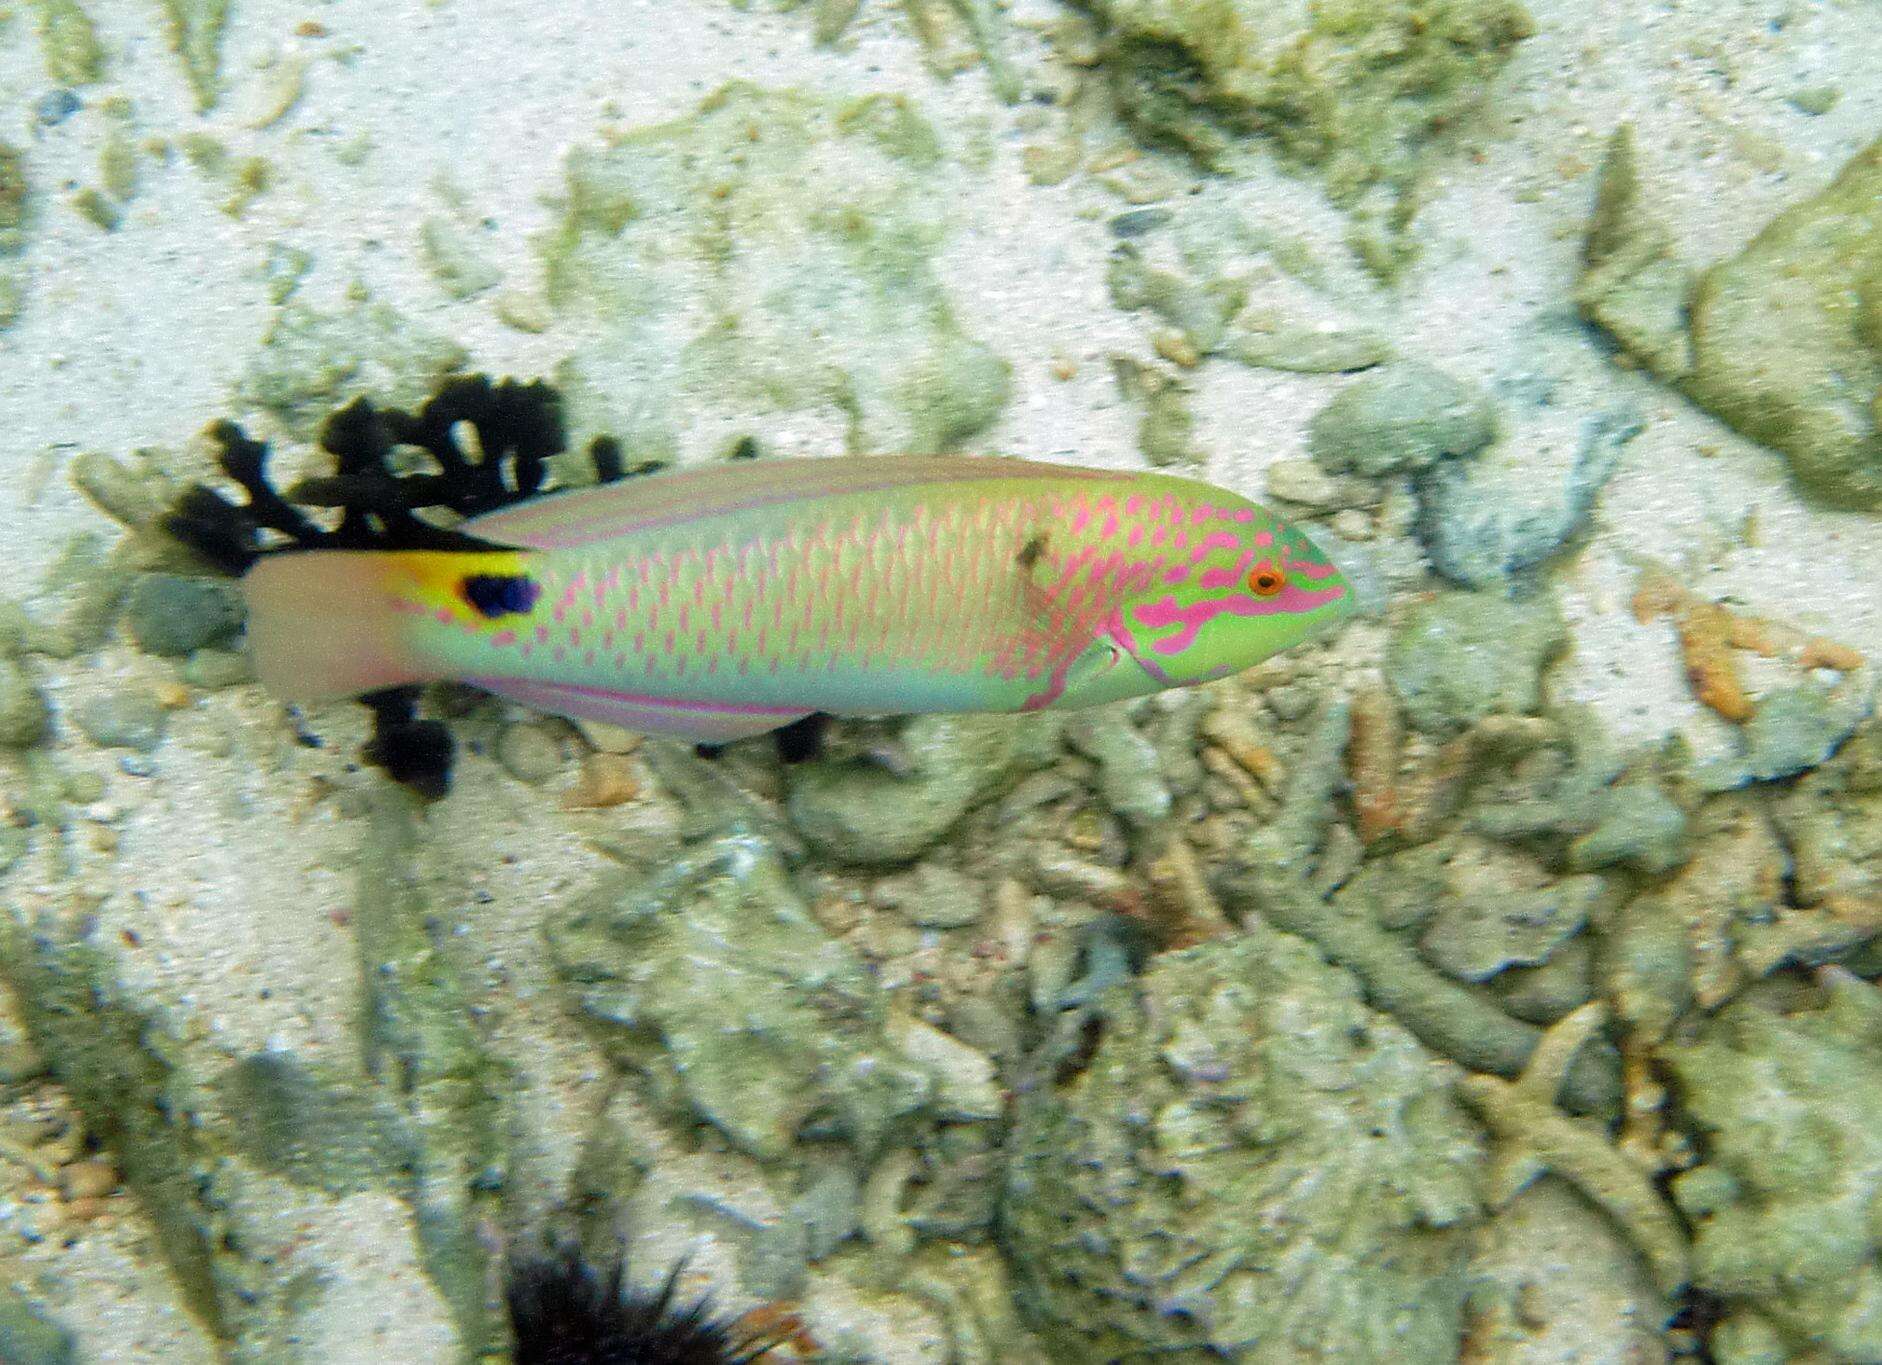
(529, 753)
(1138, 221)
(610, 739)
(22, 709)
(55, 107)
(1815, 99)
(84, 1210)
(172, 616)
(934, 897)
(1289, 701)
(606, 780)
(88, 1179)
(212, 669)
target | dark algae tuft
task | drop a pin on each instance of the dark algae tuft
(566, 1311)
(518, 428)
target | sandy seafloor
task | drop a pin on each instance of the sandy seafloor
(131, 338)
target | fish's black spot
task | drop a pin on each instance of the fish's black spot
(1029, 553)
(500, 594)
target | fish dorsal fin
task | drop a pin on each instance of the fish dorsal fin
(582, 516)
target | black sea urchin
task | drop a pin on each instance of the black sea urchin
(566, 1311)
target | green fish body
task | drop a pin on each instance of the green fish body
(717, 603)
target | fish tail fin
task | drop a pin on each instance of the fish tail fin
(328, 624)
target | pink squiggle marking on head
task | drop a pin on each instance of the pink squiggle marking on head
(503, 639)
(1264, 538)
(1191, 619)
(542, 635)
(1242, 514)
(1309, 570)
(1222, 578)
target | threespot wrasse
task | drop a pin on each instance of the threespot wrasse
(721, 602)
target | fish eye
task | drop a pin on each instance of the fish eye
(1267, 580)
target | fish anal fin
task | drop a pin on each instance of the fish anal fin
(695, 722)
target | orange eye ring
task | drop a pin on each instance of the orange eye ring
(1267, 581)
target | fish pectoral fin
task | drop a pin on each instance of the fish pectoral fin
(695, 722)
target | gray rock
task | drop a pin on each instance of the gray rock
(173, 616)
(1485, 519)
(1130, 776)
(22, 708)
(1503, 912)
(860, 812)
(131, 719)
(1792, 731)
(1465, 655)
(934, 896)
(1636, 823)
(1401, 417)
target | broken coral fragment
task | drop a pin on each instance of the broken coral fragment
(311, 363)
(196, 36)
(1709, 632)
(1536, 1138)
(713, 979)
(1782, 342)
(1252, 1165)
(1355, 88)
(858, 811)
(773, 252)
(1789, 1098)
(1400, 418)
(1633, 282)
(13, 213)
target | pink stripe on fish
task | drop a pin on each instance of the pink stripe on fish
(1191, 619)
